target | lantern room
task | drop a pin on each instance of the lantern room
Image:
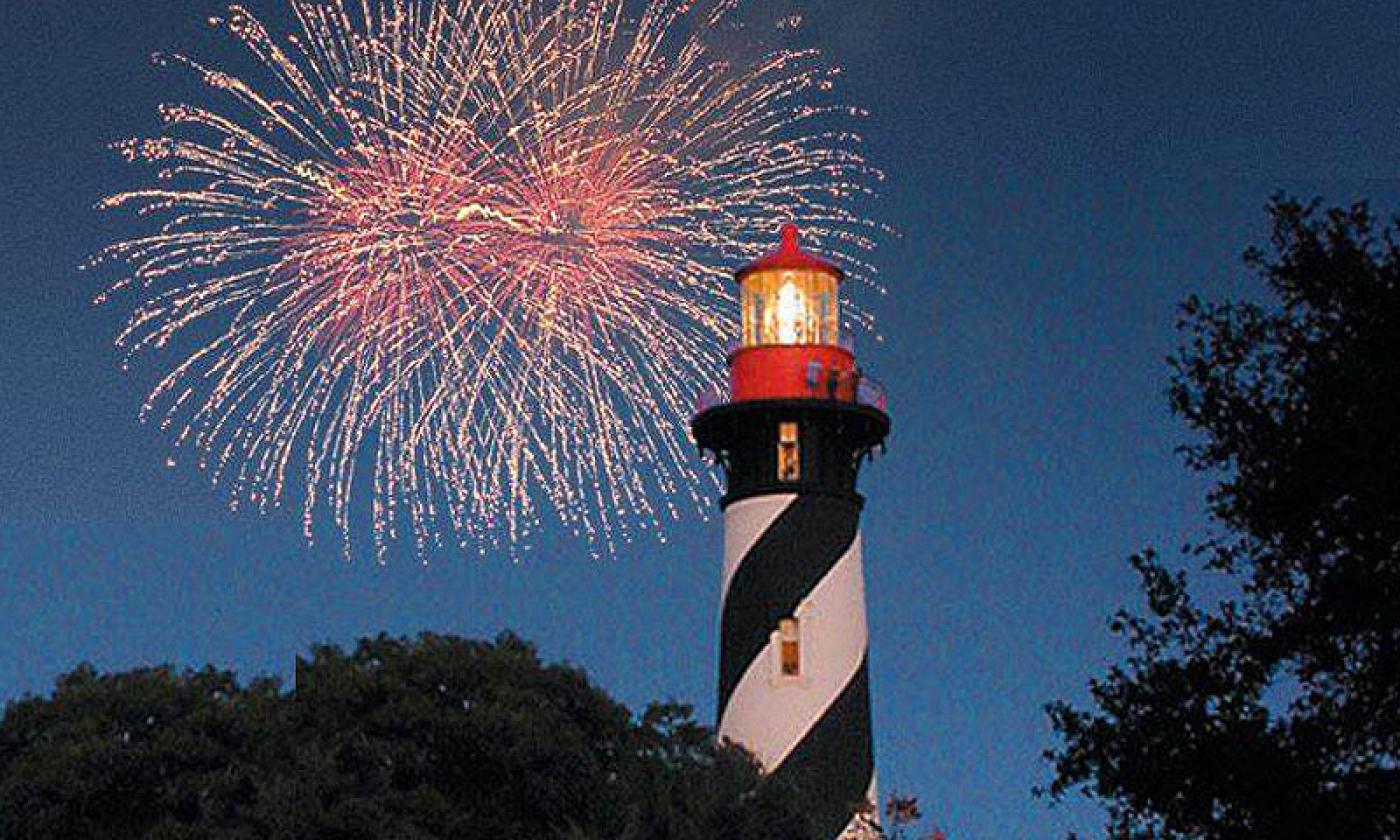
(791, 345)
(790, 297)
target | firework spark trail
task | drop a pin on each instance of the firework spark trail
(475, 253)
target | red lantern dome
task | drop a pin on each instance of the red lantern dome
(790, 257)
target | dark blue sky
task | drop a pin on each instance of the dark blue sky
(1063, 174)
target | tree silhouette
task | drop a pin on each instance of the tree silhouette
(436, 737)
(1274, 711)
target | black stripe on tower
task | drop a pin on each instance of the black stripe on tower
(834, 760)
(784, 565)
(834, 763)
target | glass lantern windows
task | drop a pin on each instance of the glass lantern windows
(790, 307)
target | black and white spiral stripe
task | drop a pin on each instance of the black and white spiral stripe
(799, 555)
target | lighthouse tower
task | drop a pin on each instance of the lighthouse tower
(799, 420)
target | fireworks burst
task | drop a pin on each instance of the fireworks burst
(474, 252)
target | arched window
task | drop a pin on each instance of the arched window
(790, 648)
(789, 453)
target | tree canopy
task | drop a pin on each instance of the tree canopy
(434, 737)
(1272, 711)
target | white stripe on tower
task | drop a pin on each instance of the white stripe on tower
(744, 522)
(769, 715)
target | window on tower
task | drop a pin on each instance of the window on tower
(789, 453)
(790, 648)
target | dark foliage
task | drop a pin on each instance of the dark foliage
(1273, 712)
(430, 738)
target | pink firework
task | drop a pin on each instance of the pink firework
(471, 253)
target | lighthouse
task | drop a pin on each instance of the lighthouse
(791, 435)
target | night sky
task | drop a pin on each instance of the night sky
(1062, 174)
